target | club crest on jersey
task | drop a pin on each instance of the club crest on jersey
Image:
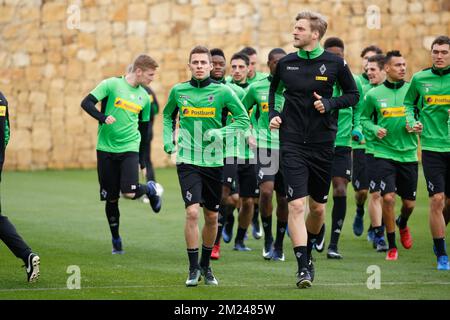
(211, 98)
(322, 69)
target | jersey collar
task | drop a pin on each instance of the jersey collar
(317, 51)
(242, 85)
(200, 83)
(221, 80)
(440, 72)
(394, 85)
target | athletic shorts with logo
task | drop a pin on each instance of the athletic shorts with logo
(372, 173)
(360, 178)
(201, 185)
(268, 169)
(117, 172)
(244, 181)
(307, 170)
(230, 178)
(436, 169)
(398, 177)
(342, 163)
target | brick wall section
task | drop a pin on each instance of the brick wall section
(47, 68)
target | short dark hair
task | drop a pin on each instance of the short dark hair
(333, 42)
(274, 52)
(217, 52)
(380, 60)
(390, 54)
(242, 56)
(249, 51)
(373, 48)
(200, 49)
(440, 41)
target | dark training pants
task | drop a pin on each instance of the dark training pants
(15, 243)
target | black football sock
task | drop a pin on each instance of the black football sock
(281, 231)
(301, 256)
(193, 258)
(206, 256)
(113, 216)
(267, 227)
(337, 216)
(391, 240)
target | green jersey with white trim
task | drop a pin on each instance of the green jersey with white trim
(257, 97)
(385, 103)
(345, 122)
(203, 107)
(429, 95)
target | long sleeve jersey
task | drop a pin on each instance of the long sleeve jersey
(345, 122)
(257, 97)
(429, 96)
(203, 106)
(384, 109)
(299, 75)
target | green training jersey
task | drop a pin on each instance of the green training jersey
(128, 105)
(258, 76)
(242, 148)
(385, 102)
(345, 122)
(369, 137)
(360, 81)
(203, 107)
(362, 78)
(257, 98)
(429, 94)
(233, 146)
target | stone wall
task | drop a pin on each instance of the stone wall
(52, 53)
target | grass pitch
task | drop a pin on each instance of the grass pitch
(60, 216)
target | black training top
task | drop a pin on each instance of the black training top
(298, 75)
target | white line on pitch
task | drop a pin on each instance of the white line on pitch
(354, 284)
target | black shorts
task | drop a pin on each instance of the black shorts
(360, 178)
(230, 175)
(117, 172)
(398, 177)
(372, 173)
(248, 187)
(307, 171)
(342, 163)
(201, 185)
(436, 169)
(268, 169)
